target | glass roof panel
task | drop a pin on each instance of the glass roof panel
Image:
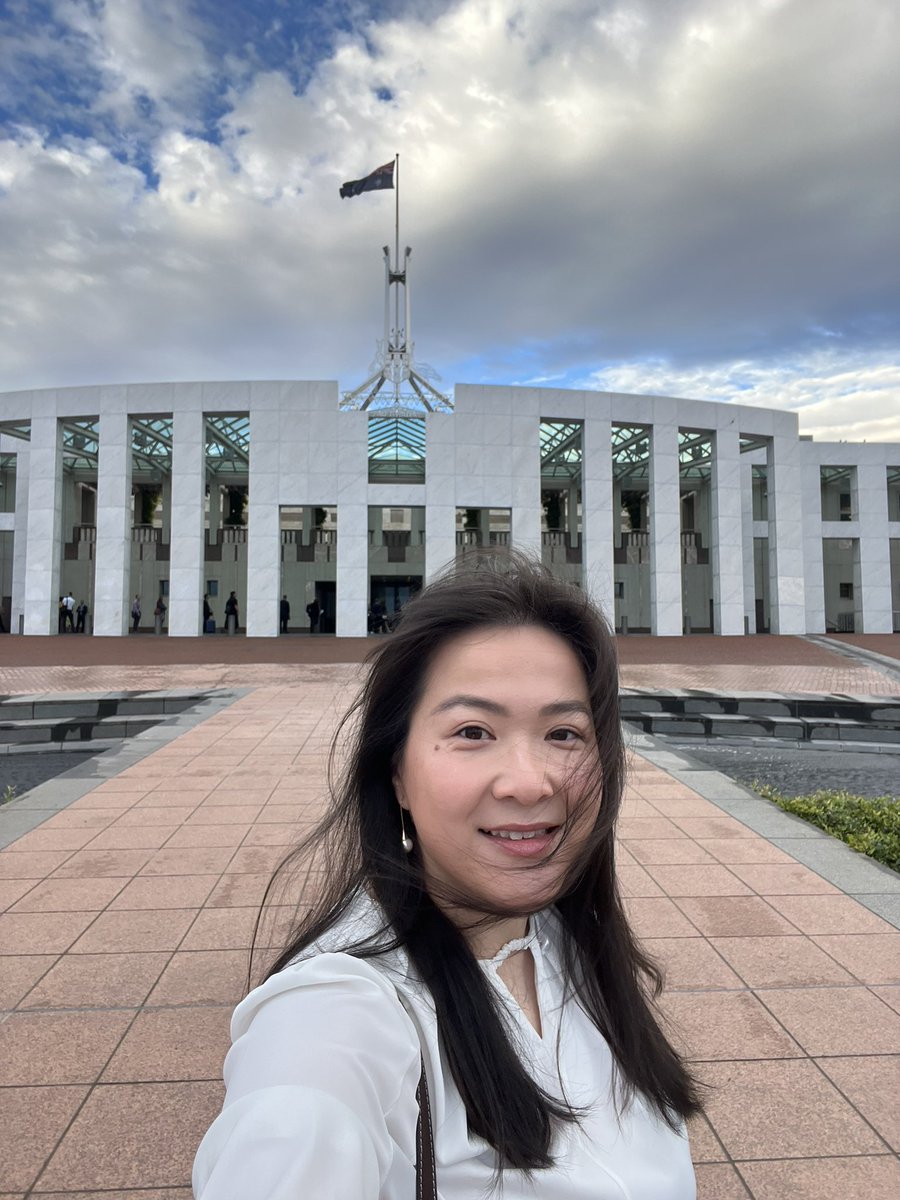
(16, 429)
(396, 445)
(561, 449)
(228, 444)
(80, 444)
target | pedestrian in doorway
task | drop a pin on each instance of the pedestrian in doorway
(285, 613)
(69, 602)
(135, 614)
(159, 613)
(231, 610)
(207, 611)
(313, 612)
(61, 620)
(81, 617)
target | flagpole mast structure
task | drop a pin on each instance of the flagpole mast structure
(394, 366)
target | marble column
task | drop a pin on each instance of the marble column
(874, 549)
(747, 546)
(186, 536)
(597, 528)
(352, 569)
(20, 539)
(44, 542)
(665, 532)
(263, 528)
(112, 573)
(727, 555)
(813, 565)
(786, 583)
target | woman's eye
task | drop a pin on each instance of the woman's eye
(564, 735)
(473, 733)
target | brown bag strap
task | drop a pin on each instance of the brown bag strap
(426, 1178)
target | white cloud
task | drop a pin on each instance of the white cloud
(709, 184)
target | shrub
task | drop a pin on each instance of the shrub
(871, 826)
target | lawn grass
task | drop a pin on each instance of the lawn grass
(871, 826)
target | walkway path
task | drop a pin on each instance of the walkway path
(127, 914)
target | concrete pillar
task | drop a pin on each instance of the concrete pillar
(215, 510)
(665, 532)
(440, 494)
(525, 534)
(597, 523)
(44, 542)
(813, 565)
(166, 497)
(263, 530)
(20, 539)
(186, 537)
(747, 546)
(786, 584)
(727, 555)
(874, 550)
(112, 574)
(352, 569)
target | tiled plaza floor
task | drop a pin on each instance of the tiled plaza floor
(127, 916)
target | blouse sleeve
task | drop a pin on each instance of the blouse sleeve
(320, 1088)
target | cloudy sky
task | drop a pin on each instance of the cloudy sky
(690, 197)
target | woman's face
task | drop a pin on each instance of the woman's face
(500, 747)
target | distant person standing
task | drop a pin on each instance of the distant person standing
(69, 602)
(61, 620)
(135, 614)
(313, 612)
(159, 615)
(284, 613)
(231, 610)
(81, 613)
(209, 625)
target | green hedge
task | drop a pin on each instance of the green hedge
(871, 826)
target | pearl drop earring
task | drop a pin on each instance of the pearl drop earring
(406, 842)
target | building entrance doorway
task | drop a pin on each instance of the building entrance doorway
(390, 593)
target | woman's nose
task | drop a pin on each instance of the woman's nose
(523, 773)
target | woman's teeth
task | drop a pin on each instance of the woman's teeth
(516, 835)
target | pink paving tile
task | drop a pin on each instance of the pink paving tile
(829, 914)
(238, 891)
(41, 839)
(19, 973)
(691, 963)
(70, 895)
(57, 1048)
(190, 861)
(713, 1025)
(16, 864)
(133, 932)
(743, 850)
(133, 837)
(175, 798)
(233, 797)
(85, 864)
(712, 827)
(872, 1084)
(270, 834)
(719, 1181)
(130, 1194)
(836, 1020)
(83, 818)
(657, 917)
(635, 881)
(871, 957)
(134, 1136)
(41, 933)
(783, 879)
(172, 1043)
(703, 880)
(764, 962)
(890, 995)
(825, 1179)
(147, 815)
(288, 814)
(12, 890)
(202, 977)
(685, 806)
(124, 785)
(100, 798)
(225, 814)
(222, 929)
(705, 1146)
(782, 1109)
(668, 850)
(654, 827)
(32, 1120)
(256, 860)
(165, 891)
(97, 981)
(734, 916)
(204, 836)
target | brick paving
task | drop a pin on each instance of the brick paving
(126, 917)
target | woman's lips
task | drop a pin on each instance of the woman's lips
(537, 840)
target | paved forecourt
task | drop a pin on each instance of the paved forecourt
(126, 915)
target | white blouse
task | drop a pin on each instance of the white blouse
(321, 1086)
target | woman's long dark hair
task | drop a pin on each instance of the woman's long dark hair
(356, 848)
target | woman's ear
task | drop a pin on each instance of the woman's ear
(399, 791)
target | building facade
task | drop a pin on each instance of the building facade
(678, 516)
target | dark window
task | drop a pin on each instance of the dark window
(846, 591)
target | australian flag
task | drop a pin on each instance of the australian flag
(381, 177)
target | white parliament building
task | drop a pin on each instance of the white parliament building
(678, 516)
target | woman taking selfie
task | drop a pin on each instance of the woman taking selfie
(465, 966)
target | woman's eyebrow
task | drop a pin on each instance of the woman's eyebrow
(556, 709)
